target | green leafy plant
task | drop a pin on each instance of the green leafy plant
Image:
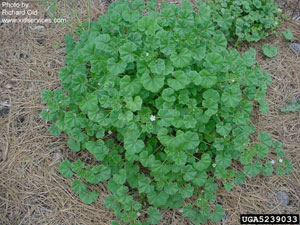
(164, 108)
(291, 107)
(246, 20)
(269, 50)
(288, 35)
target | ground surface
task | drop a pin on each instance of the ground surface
(31, 189)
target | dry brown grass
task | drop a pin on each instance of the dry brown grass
(31, 189)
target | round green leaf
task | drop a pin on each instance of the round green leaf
(217, 214)
(157, 199)
(152, 83)
(144, 185)
(223, 129)
(180, 81)
(232, 96)
(181, 59)
(253, 169)
(116, 68)
(148, 24)
(269, 50)
(89, 104)
(288, 35)
(127, 52)
(155, 215)
(78, 187)
(134, 146)
(74, 145)
(88, 197)
(65, 169)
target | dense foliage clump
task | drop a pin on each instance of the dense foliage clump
(163, 106)
(246, 20)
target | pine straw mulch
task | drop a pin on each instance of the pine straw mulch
(31, 189)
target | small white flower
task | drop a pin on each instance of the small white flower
(233, 80)
(152, 118)
(280, 160)
(47, 110)
(202, 191)
(214, 165)
(109, 132)
(98, 84)
(138, 214)
(147, 54)
(180, 210)
(273, 162)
